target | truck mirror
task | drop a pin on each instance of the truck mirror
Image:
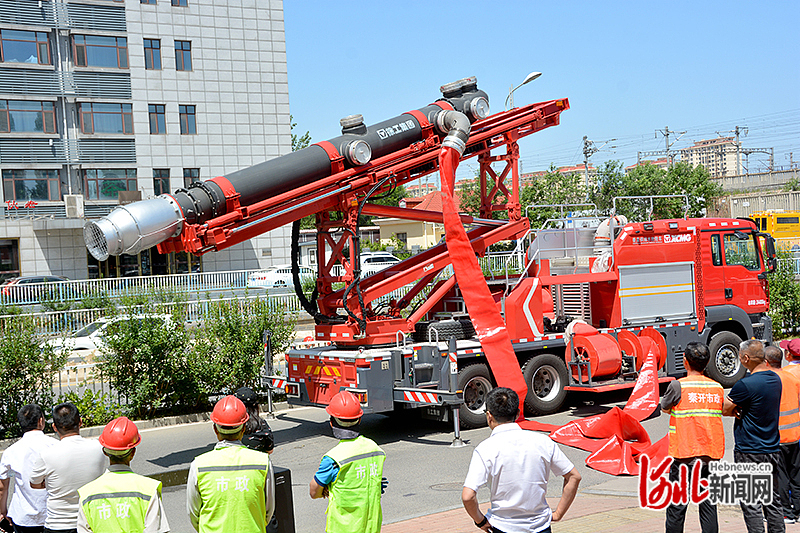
(740, 235)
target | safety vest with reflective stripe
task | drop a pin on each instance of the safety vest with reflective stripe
(789, 421)
(231, 482)
(355, 494)
(695, 424)
(116, 502)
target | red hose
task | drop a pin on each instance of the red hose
(483, 311)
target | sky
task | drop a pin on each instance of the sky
(629, 68)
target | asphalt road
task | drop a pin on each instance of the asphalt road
(425, 473)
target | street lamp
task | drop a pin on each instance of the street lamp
(529, 78)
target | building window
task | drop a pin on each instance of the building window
(180, 3)
(24, 47)
(105, 184)
(24, 185)
(188, 120)
(100, 51)
(152, 54)
(158, 120)
(190, 175)
(151, 2)
(161, 181)
(18, 116)
(106, 118)
(183, 55)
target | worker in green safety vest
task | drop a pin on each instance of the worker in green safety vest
(121, 501)
(351, 474)
(231, 488)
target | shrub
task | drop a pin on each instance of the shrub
(96, 407)
(784, 297)
(147, 364)
(26, 371)
(228, 351)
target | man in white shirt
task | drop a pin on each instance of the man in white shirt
(65, 467)
(28, 507)
(516, 465)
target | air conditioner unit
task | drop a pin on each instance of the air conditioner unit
(74, 205)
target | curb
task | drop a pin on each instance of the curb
(166, 421)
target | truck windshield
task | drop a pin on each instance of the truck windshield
(741, 252)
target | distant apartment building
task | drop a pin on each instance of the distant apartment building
(662, 163)
(107, 101)
(718, 156)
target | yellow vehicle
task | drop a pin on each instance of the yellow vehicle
(784, 226)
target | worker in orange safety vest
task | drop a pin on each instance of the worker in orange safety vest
(695, 430)
(789, 428)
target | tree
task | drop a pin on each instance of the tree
(650, 180)
(303, 141)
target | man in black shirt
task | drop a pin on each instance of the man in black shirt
(755, 402)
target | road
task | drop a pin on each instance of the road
(425, 474)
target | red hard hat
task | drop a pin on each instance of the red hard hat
(120, 434)
(345, 405)
(229, 411)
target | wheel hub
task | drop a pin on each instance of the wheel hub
(546, 382)
(727, 360)
(475, 394)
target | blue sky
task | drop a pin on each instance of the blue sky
(628, 68)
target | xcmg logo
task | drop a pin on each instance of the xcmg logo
(683, 237)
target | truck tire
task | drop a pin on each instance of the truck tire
(546, 376)
(446, 329)
(476, 382)
(724, 366)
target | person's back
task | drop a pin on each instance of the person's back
(789, 416)
(65, 467)
(758, 396)
(28, 506)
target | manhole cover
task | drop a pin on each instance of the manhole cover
(448, 486)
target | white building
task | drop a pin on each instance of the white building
(718, 156)
(108, 100)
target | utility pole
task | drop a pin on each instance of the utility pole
(665, 132)
(588, 150)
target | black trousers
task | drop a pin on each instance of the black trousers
(28, 529)
(676, 514)
(789, 480)
(774, 511)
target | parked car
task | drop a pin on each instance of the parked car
(372, 262)
(89, 339)
(278, 277)
(19, 288)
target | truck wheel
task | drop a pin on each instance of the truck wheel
(724, 366)
(476, 382)
(546, 376)
(446, 329)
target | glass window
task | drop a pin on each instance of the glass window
(27, 116)
(105, 184)
(180, 3)
(106, 118)
(161, 180)
(188, 120)
(158, 120)
(741, 251)
(9, 258)
(24, 47)
(183, 55)
(100, 51)
(788, 220)
(152, 54)
(716, 254)
(24, 185)
(151, 2)
(190, 175)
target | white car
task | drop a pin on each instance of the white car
(372, 262)
(89, 339)
(278, 277)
